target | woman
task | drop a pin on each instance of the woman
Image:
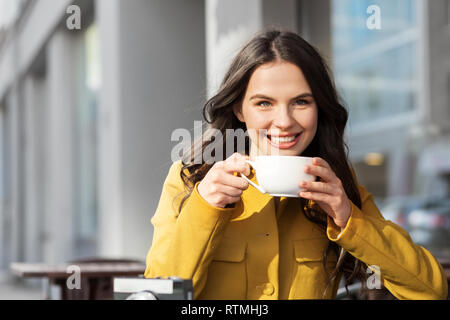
(236, 243)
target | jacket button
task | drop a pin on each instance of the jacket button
(268, 289)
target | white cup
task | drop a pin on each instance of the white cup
(280, 176)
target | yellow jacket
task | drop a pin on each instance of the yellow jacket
(257, 251)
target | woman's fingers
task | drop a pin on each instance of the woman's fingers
(329, 193)
(220, 186)
(325, 173)
(230, 191)
(236, 163)
(317, 186)
(321, 162)
(316, 196)
(234, 181)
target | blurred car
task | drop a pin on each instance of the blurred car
(429, 226)
(397, 209)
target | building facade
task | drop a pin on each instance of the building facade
(86, 115)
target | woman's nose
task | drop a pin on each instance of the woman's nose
(283, 118)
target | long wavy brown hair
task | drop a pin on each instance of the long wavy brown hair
(328, 143)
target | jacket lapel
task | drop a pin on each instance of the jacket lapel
(253, 201)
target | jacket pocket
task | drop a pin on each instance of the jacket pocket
(227, 273)
(230, 251)
(311, 250)
(309, 278)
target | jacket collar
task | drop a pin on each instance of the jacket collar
(254, 201)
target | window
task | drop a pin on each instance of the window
(376, 69)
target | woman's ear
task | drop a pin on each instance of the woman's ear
(237, 112)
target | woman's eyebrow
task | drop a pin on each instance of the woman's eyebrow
(262, 96)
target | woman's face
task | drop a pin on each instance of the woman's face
(279, 110)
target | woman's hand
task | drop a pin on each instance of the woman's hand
(220, 187)
(328, 193)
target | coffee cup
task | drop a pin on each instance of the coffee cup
(280, 176)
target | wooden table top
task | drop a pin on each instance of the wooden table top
(36, 270)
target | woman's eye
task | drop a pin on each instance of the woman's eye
(301, 102)
(264, 104)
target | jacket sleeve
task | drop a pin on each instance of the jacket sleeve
(407, 270)
(184, 242)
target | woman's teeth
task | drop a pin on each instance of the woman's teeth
(279, 140)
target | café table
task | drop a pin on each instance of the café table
(95, 277)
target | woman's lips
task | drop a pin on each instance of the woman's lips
(284, 145)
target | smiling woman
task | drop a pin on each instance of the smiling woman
(278, 100)
(237, 243)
